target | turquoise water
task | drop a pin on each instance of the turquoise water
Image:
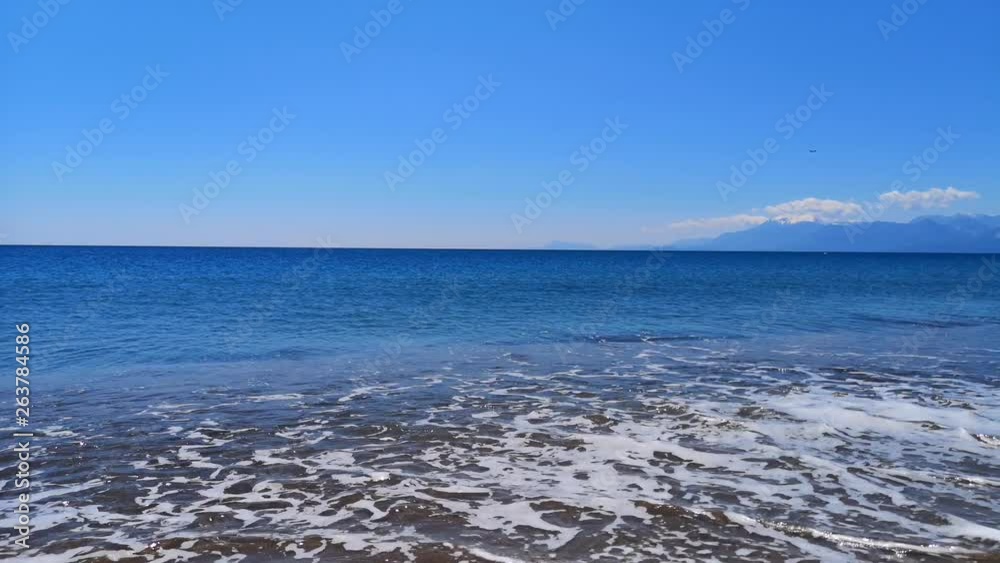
(254, 404)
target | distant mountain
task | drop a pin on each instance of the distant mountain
(644, 247)
(563, 245)
(932, 233)
(690, 244)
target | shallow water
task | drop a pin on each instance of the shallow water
(709, 407)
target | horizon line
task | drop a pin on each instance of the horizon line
(459, 249)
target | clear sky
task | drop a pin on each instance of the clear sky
(339, 109)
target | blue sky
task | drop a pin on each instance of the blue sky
(339, 111)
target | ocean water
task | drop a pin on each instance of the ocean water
(382, 405)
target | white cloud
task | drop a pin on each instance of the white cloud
(932, 198)
(730, 222)
(814, 209)
(811, 209)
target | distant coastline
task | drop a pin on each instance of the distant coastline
(668, 248)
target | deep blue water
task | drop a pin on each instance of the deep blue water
(546, 396)
(99, 307)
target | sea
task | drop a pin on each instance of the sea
(254, 405)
